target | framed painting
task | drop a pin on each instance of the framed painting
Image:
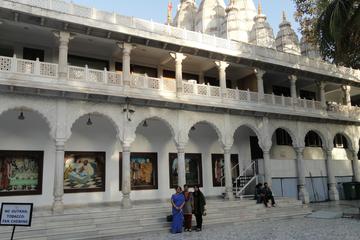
(84, 172)
(193, 169)
(217, 163)
(143, 171)
(21, 172)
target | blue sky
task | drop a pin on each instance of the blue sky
(157, 9)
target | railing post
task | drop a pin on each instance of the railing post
(237, 93)
(313, 104)
(282, 100)
(105, 75)
(50, 4)
(161, 84)
(86, 72)
(273, 98)
(305, 103)
(208, 90)
(14, 64)
(248, 98)
(37, 67)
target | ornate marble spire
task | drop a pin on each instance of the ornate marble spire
(309, 50)
(186, 15)
(239, 20)
(262, 34)
(210, 17)
(286, 39)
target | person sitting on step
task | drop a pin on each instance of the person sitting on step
(267, 195)
(258, 197)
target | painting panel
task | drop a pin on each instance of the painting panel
(21, 172)
(193, 169)
(84, 172)
(217, 162)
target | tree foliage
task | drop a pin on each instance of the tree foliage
(334, 26)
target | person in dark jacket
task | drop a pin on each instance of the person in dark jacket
(268, 195)
(199, 207)
(258, 196)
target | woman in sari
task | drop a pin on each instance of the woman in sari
(177, 201)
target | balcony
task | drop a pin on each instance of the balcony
(43, 75)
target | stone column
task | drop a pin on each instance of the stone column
(321, 89)
(293, 79)
(179, 58)
(160, 71)
(181, 165)
(201, 78)
(333, 192)
(126, 48)
(260, 83)
(58, 206)
(346, 95)
(229, 195)
(126, 181)
(64, 39)
(355, 164)
(267, 166)
(222, 75)
(303, 193)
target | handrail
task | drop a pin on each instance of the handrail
(235, 166)
(252, 166)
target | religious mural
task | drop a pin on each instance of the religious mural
(143, 171)
(21, 172)
(84, 172)
(218, 168)
(193, 169)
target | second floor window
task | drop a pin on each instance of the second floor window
(340, 141)
(283, 137)
(312, 139)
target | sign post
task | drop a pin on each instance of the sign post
(16, 214)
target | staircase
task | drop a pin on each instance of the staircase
(245, 183)
(108, 222)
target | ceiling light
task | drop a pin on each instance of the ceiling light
(145, 124)
(21, 116)
(89, 122)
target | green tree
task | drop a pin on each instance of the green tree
(333, 25)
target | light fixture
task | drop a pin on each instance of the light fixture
(128, 110)
(193, 128)
(89, 122)
(145, 124)
(21, 116)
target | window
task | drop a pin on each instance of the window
(340, 141)
(6, 51)
(283, 137)
(312, 139)
(307, 95)
(93, 63)
(32, 54)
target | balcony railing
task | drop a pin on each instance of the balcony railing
(157, 86)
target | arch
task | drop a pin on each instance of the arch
(211, 124)
(292, 135)
(138, 121)
(324, 141)
(346, 136)
(49, 122)
(250, 126)
(72, 122)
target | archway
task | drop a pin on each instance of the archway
(283, 164)
(202, 149)
(315, 166)
(26, 157)
(91, 164)
(149, 159)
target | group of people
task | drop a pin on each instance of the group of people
(263, 194)
(184, 205)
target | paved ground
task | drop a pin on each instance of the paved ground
(295, 229)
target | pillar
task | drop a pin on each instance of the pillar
(126, 51)
(126, 181)
(355, 164)
(303, 193)
(179, 58)
(260, 83)
(58, 206)
(201, 78)
(293, 79)
(267, 166)
(229, 195)
(160, 71)
(333, 192)
(222, 75)
(346, 95)
(181, 165)
(64, 39)
(321, 90)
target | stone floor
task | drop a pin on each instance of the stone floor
(295, 229)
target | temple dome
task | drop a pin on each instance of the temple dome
(261, 33)
(186, 15)
(309, 50)
(286, 39)
(210, 17)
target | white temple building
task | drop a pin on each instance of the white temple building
(97, 107)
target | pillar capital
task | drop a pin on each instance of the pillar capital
(320, 84)
(178, 57)
(222, 65)
(299, 150)
(259, 72)
(346, 88)
(126, 47)
(227, 149)
(63, 36)
(292, 78)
